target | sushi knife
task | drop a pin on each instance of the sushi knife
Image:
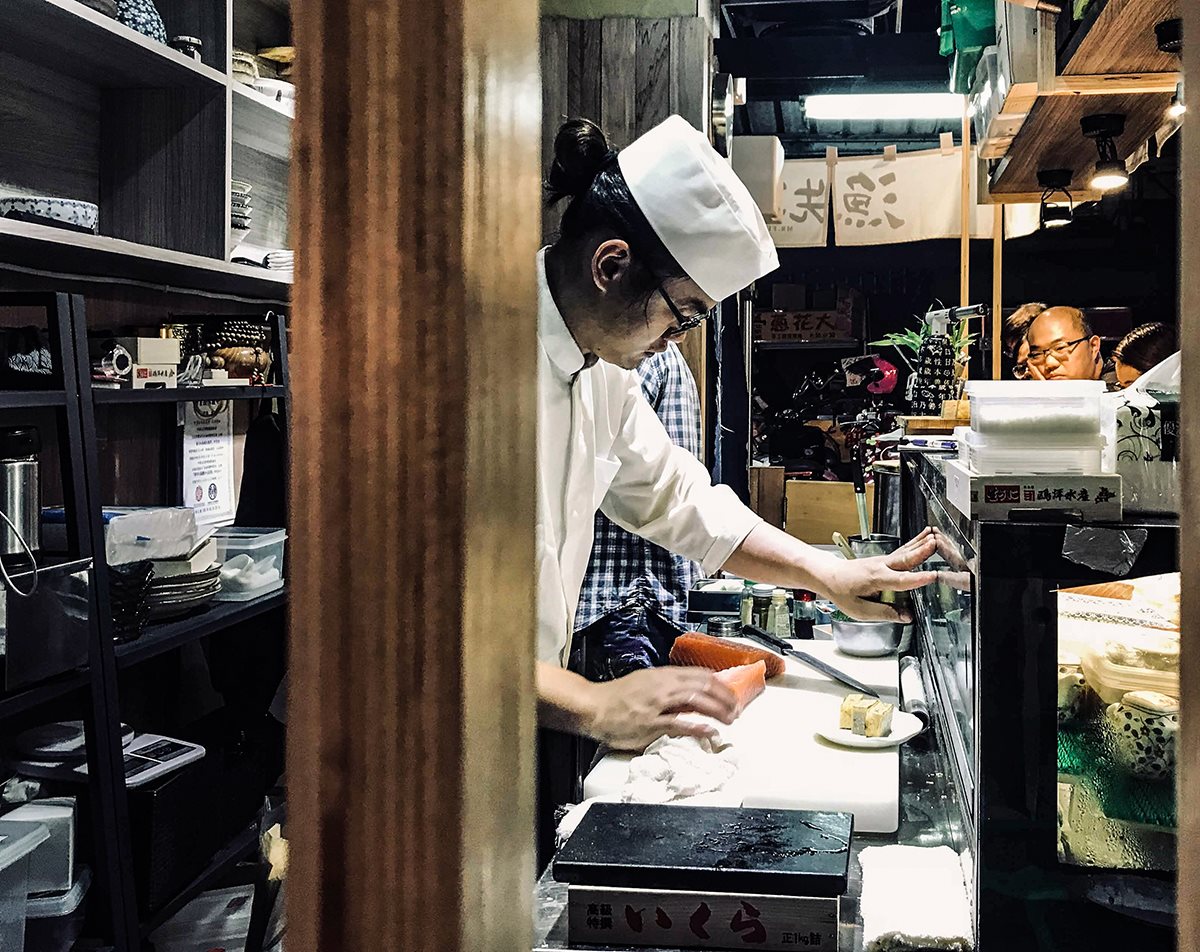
(779, 646)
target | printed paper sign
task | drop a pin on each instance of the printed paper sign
(208, 461)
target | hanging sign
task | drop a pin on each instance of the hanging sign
(912, 197)
(208, 461)
(805, 219)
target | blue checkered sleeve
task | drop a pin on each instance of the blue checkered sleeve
(624, 565)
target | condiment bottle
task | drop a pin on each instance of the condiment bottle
(747, 604)
(781, 618)
(805, 614)
(761, 612)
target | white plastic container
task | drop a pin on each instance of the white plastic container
(17, 841)
(1044, 410)
(55, 921)
(996, 456)
(251, 562)
(1149, 662)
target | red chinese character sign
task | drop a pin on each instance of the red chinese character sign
(805, 219)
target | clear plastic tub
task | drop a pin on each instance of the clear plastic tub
(251, 561)
(55, 921)
(1000, 456)
(1043, 410)
(17, 841)
(1147, 662)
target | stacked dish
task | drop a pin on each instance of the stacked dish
(51, 210)
(281, 260)
(179, 594)
(240, 213)
(245, 67)
(128, 590)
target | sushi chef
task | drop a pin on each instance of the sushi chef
(653, 237)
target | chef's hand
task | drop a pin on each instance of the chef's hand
(852, 582)
(635, 710)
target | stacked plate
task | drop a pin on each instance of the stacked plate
(128, 594)
(240, 213)
(179, 594)
(281, 260)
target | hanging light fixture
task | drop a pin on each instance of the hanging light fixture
(1177, 107)
(1054, 213)
(1105, 128)
(1168, 35)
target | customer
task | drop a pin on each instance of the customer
(1146, 346)
(634, 598)
(1063, 347)
(1016, 347)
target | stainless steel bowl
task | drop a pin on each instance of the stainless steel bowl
(867, 639)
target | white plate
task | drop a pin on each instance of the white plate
(905, 726)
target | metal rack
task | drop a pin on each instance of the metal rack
(74, 403)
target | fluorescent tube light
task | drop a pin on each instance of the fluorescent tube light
(879, 106)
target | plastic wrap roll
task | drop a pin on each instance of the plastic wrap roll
(912, 691)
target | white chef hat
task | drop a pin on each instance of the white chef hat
(699, 208)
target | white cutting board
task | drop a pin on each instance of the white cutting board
(781, 760)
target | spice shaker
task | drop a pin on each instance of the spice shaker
(188, 46)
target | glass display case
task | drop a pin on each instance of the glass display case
(1053, 869)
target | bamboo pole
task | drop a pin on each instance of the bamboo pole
(964, 276)
(997, 285)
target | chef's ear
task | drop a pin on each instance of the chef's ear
(611, 263)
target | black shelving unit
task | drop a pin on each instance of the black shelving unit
(76, 405)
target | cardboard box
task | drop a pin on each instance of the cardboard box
(994, 497)
(766, 493)
(155, 376)
(814, 510)
(152, 350)
(662, 918)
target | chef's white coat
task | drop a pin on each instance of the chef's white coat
(600, 446)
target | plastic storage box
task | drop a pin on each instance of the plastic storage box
(1146, 663)
(988, 456)
(251, 562)
(1053, 410)
(17, 841)
(56, 921)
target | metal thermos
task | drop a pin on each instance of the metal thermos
(20, 493)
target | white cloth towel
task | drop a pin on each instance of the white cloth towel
(678, 768)
(914, 897)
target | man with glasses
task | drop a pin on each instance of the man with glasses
(1063, 347)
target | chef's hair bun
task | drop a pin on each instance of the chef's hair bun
(581, 150)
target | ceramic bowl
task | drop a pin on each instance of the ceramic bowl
(1143, 727)
(67, 210)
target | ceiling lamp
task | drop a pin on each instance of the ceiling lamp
(1169, 35)
(881, 106)
(1054, 214)
(1104, 128)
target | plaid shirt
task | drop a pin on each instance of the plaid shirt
(624, 565)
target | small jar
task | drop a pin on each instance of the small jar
(746, 605)
(188, 46)
(761, 612)
(724, 626)
(781, 617)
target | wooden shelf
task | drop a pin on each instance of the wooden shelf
(188, 394)
(75, 254)
(1113, 47)
(70, 38)
(166, 636)
(22, 399)
(807, 344)
(260, 123)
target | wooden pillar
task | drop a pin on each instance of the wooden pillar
(411, 568)
(1188, 899)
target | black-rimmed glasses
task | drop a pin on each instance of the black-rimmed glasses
(1061, 351)
(683, 323)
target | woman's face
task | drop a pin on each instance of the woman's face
(1125, 373)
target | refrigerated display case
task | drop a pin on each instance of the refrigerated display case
(1066, 852)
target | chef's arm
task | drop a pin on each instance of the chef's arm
(770, 555)
(630, 712)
